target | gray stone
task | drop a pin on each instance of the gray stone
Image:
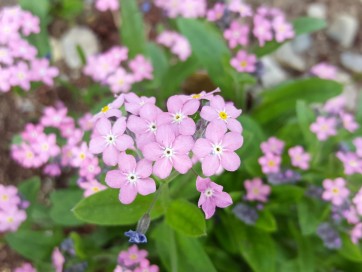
(352, 61)
(273, 74)
(82, 36)
(344, 29)
(288, 58)
(317, 10)
(302, 43)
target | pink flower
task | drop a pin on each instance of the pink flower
(30, 23)
(120, 81)
(46, 146)
(243, 62)
(141, 68)
(262, 30)
(132, 257)
(256, 190)
(41, 71)
(357, 200)
(222, 112)
(177, 43)
(6, 56)
(110, 140)
(272, 145)
(358, 144)
(145, 266)
(20, 76)
(335, 105)
(131, 178)
(11, 218)
(351, 215)
(91, 187)
(217, 149)
(356, 233)
(169, 151)
(212, 196)
(349, 122)
(52, 170)
(283, 29)
(111, 110)
(193, 8)
(178, 115)
(104, 5)
(299, 158)
(237, 34)
(5, 75)
(335, 191)
(58, 260)
(89, 168)
(8, 197)
(324, 127)
(134, 103)
(53, 117)
(22, 49)
(32, 132)
(270, 163)
(86, 122)
(216, 13)
(324, 70)
(25, 267)
(26, 156)
(351, 162)
(80, 153)
(243, 9)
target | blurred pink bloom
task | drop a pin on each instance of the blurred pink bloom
(272, 145)
(351, 215)
(351, 162)
(324, 70)
(9, 197)
(262, 30)
(283, 29)
(335, 105)
(5, 77)
(89, 168)
(134, 103)
(299, 157)
(141, 68)
(25, 267)
(270, 163)
(86, 122)
(53, 117)
(256, 190)
(177, 43)
(237, 34)
(212, 196)
(30, 24)
(32, 132)
(133, 256)
(335, 191)
(46, 146)
(91, 187)
(356, 233)
(52, 170)
(58, 260)
(324, 127)
(349, 122)
(145, 266)
(243, 62)
(104, 5)
(216, 13)
(20, 76)
(41, 71)
(11, 218)
(120, 81)
(6, 56)
(23, 49)
(243, 9)
(358, 144)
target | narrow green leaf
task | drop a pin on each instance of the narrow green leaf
(309, 215)
(30, 189)
(266, 221)
(186, 218)
(350, 250)
(304, 25)
(305, 117)
(132, 28)
(104, 208)
(159, 63)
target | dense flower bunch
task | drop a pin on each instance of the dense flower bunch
(134, 260)
(147, 140)
(19, 65)
(107, 69)
(177, 44)
(55, 145)
(12, 208)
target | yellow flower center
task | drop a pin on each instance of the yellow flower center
(105, 109)
(256, 191)
(243, 63)
(271, 163)
(120, 82)
(10, 219)
(133, 257)
(4, 197)
(29, 155)
(95, 189)
(335, 191)
(82, 156)
(196, 96)
(223, 115)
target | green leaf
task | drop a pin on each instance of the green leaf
(186, 218)
(287, 194)
(39, 8)
(310, 214)
(266, 221)
(350, 250)
(33, 245)
(62, 203)
(132, 28)
(179, 253)
(104, 208)
(159, 63)
(305, 117)
(359, 108)
(304, 25)
(211, 50)
(278, 104)
(30, 189)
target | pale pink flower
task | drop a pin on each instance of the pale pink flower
(324, 127)
(120, 81)
(89, 168)
(104, 5)
(32, 132)
(212, 196)
(357, 201)
(141, 68)
(30, 24)
(349, 122)
(358, 144)
(58, 260)
(110, 140)
(237, 34)
(324, 70)
(356, 233)
(86, 122)
(20, 76)
(351, 215)
(335, 105)
(256, 190)
(11, 219)
(6, 56)
(272, 145)
(262, 30)
(270, 163)
(5, 75)
(351, 162)
(134, 103)
(41, 71)
(169, 151)
(177, 43)
(8, 197)
(283, 29)
(54, 117)
(80, 153)
(299, 157)
(132, 256)
(91, 187)
(22, 49)
(25, 267)
(146, 266)
(243, 62)
(52, 170)
(335, 191)
(218, 149)
(46, 146)
(219, 111)
(243, 9)
(216, 13)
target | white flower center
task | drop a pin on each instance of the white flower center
(132, 178)
(178, 117)
(45, 147)
(110, 138)
(209, 192)
(152, 127)
(168, 152)
(217, 149)
(91, 168)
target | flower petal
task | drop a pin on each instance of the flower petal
(115, 179)
(110, 155)
(208, 113)
(183, 144)
(119, 126)
(146, 186)
(127, 163)
(144, 168)
(232, 141)
(97, 145)
(136, 124)
(152, 151)
(230, 161)
(182, 163)
(124, 142)
(162, 168)
(165, 135)
(202, 148)
(128, 193)
(103, 126)
(210, 165)
(187, 126)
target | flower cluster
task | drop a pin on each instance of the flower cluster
(25, 267)
(108, 69)
(272, 158)
(184, 8)
(104, 5)
(177, 44)
(19, 65)
(55, 145)
(134, 260)
(147, 141)
(331, 117)
(12, 208)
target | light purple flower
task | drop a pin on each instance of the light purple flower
(216, 13)
(91, 187)
(351, 162)
(335, 191)
(324, 70)
(11, 218)
(262, 30)
(141, 68)
(8, 197)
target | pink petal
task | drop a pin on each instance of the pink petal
(222, 199)
(208, 113)
(230, 161)
(152, 151)
(210, 165)
(209, 208)
(165, 135)
(202, 184)
(215, 131)
(191, 107)
(97, 145)
(232, 111)
(162, 168)
(234, 125)
(136, 124)
(202, 148)
(146, 186)
(103, 126)
(183, 144)
(110, 155)
(144, 168)
(149, 112)
(187, 126)
(119, 126)
(127, 163)
(115, 179)
(124, 142)
(128, 193)
(217, 102)
(182, 163)
(174, 103)
(232, 141)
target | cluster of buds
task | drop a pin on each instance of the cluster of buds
(19, 65)
(12, 208)
(148, 143)
(108, 69)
